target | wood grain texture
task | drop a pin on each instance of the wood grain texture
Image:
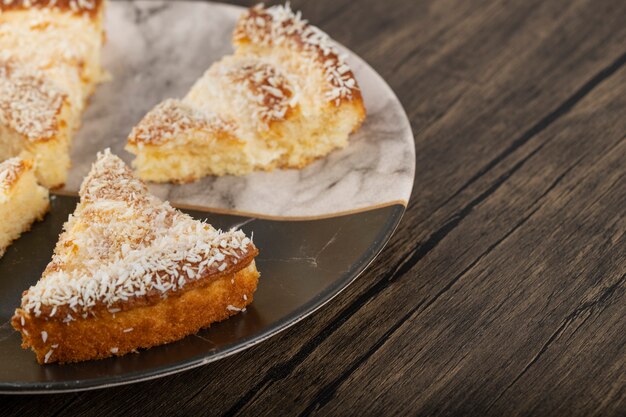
(503, 291)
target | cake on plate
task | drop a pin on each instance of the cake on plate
(49, 66)
(285, 98)
(130, 272)
(22, 200)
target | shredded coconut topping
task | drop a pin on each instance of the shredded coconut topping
(123, 244)
(62, 46)
(10, 171)
(280, 26)
(173, 117)
(76, 6)
(263, 85)
(29, 103)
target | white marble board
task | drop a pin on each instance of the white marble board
(156, 50)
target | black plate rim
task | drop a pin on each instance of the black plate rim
(303, 312)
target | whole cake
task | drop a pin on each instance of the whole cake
(49, 66)
(285, 98)
(129, 272)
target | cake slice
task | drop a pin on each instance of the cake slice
(22, 200)
(49, 66)
(285, 98)
(129, 272)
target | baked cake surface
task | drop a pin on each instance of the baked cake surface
(49, 66)
(285, 98)
(22, 200)
(129, 271)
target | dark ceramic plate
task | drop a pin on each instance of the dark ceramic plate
(303, 263)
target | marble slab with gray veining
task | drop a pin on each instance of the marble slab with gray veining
(157, 50)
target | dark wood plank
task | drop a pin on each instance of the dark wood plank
(503, 290)
(525, 289)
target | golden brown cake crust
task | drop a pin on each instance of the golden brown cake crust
(91, 7)
(279, 26)
(50, 65)
(109, 334)
(130, 271)
(290, 92)
(22, 201)
(269, 90)
(11, 170)
(154, 296)
(122, 245)
(29, 103)
(172, 117)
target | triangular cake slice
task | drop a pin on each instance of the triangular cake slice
(22, 200)
(49, 66)
(129, 272)
(285, 98)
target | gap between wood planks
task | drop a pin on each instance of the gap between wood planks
(394, 276)
(280, 371)
(586, 307)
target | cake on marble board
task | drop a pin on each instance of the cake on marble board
(130, 272)
(285, 98)
(49, 66)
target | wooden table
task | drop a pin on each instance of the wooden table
(503, 290)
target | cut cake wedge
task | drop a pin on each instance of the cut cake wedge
(129, 272)
(285, 98)
(22, 200)
(49, 66)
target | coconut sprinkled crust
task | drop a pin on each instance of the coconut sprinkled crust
(49, 66)
(279, 26)
(123, 247)
(75, 6)
(171, 118)
(29, 103)
(268, 92)
(292, 97)
(10, 172)
(47, 38)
